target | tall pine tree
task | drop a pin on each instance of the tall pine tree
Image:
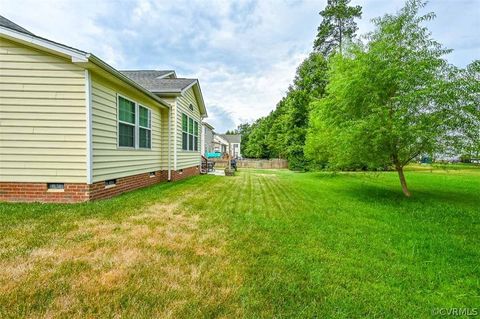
(337, 26)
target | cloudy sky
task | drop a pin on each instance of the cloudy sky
(243, 52)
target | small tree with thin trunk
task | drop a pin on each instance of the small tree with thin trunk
(391, 100)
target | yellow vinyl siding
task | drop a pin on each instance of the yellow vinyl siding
(187, 158)
(165, 135)
(165, 142)
(109, 160)
(42, 117)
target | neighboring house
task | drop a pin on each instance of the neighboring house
(234, 142)
(220, 144)
(73, 128)
(207, 138)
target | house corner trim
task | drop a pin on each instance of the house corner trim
(88, 112)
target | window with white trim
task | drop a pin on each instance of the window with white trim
(195, 136)
(134, 124)
(184, 132)
(145, 127)
(126, 122)
(189, 133)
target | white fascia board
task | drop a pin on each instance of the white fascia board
(75, 55)
(167, 74)
(199, 96)
(186, 88)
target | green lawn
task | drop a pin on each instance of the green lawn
(262, 244)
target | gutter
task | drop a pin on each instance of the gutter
(77, 56)
(98, 62)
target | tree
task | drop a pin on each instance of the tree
(469, 124)
(282, 132)
(337, 26)
(257, 140)
(390, 101)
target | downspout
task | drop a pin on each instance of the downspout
(169, 146)
(175, 135)
(88, 127)
(202, 141)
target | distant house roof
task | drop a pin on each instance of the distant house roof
(217, 138)
(4, 22)
(208, 125)
(232, 138)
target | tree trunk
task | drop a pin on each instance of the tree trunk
(340, 33)
(403, 182)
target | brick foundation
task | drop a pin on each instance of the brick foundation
(98, 190)
(186, 172)
(38, 192)
(78, 192)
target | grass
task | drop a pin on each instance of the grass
(262, 244)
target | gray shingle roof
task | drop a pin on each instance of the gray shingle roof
(232, 138)
(4, 22)
(146, 74)
(149, 80)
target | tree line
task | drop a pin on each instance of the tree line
(373, 103)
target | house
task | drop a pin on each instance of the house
(207, 138)
(220, 145)
(73, 128)
(233, 142)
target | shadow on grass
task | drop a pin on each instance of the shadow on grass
(391, 196)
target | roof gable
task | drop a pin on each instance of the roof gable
(157, 82)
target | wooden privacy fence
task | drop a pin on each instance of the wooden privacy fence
(255, 163)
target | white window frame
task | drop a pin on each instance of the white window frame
(136, 138)
(197, 135)
(192, 134)
(126, 123)
(143, 127)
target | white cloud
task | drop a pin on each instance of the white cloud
(245, 53)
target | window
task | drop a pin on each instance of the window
(126, 122)
(134, 124)
(152, 174)
(145, 127)
(184, 132)
(195, 137)
(189, 133)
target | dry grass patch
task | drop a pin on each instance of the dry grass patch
(159, 254)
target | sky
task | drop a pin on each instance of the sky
(244, 53)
